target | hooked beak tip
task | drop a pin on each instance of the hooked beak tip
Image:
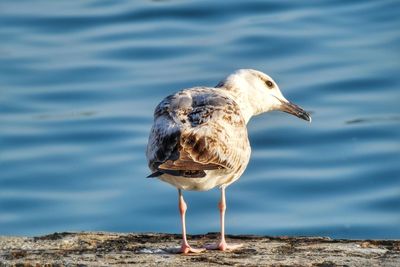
(309, 119)
(306, 116)
(302, 115)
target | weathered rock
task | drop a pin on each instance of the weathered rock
(152, 249)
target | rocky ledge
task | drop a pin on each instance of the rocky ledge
(156, 249)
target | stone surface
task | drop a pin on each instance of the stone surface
(156, 249)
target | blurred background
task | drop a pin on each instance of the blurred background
(79, 81)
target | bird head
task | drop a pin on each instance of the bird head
(257, 93)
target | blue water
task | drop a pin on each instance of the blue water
(79, 81)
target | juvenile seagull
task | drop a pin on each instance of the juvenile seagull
(199, 137)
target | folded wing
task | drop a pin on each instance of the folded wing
(194, 131)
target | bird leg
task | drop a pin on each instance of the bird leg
(185, 247)
(222, 245)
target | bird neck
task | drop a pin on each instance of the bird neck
(249, 100)
(243, 102)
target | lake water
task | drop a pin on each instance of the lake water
(79, 81)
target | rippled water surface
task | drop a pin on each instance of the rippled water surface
(79, 81)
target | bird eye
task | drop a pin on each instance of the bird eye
(269, 84)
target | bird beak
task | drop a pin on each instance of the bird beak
(295, 110)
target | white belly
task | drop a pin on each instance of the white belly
(212, 179)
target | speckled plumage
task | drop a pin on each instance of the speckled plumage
(198, 140)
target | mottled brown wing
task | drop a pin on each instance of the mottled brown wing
(210, 134)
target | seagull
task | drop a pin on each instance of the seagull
(199, 137)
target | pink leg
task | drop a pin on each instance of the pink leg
(222, 245)
(185, 247)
